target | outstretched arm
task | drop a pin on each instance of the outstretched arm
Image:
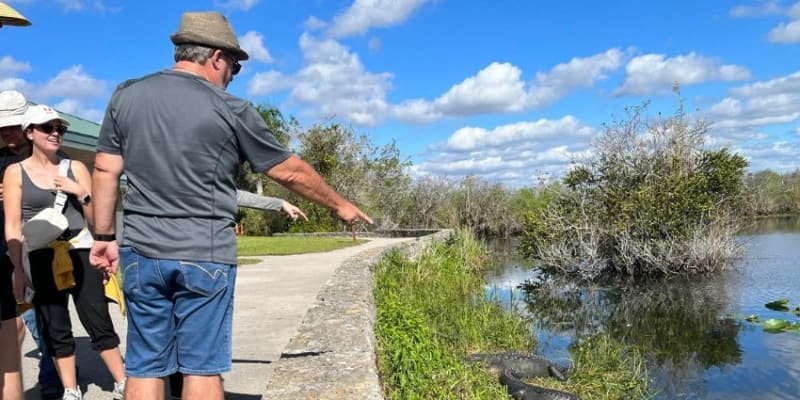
(252, 200)
(299, 177)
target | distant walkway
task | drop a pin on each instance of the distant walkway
(272, 297)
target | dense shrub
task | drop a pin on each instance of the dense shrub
(652, 200)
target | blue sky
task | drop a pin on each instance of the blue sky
(511, 90)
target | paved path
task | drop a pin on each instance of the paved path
(271, 299)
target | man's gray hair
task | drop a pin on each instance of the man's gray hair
(193, 52)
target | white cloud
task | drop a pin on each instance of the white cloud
(79, 109)
(577, 73)
(335, 81)
(13, 83)
(754, 106)
(10, 67)
(496, 88)
(656, 74)
(416, 111)
(73, 83)
(365, 14)
(784, 84)
(253, 43)
(268, 82)
(513, 135)
(79, 5)
(500, 88)
(516, 154)
(71, 5)
(313, 23)
(794, 11)
(786, 33)
(778, 156)
(761, 9)
(237, 4)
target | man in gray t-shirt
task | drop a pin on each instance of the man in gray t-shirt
(179, 138)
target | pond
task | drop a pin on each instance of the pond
(694, 331)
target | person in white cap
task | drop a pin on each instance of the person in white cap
(29, 187)
(12, 108)
(179, 138)
(17, 148)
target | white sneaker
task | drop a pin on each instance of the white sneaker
(119, 390)
(72, 394)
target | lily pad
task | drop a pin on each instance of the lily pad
(751, 318)
(778, 305)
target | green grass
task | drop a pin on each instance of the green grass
(285, 245)
(247, 261)
(433, 311)
(603, 369)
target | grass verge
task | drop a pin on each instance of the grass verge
(433, 311)
(285, 245)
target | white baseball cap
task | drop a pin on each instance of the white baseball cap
(12, 108)
(40, 114)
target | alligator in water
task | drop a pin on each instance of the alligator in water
(522, 365)
(519, 390)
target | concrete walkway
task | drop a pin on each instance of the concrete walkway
(272, 297)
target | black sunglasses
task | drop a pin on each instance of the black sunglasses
(235, 67)
(48, 128)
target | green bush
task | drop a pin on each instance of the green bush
(653, 200)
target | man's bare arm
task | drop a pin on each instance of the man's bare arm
(105, 185)
(299, 177)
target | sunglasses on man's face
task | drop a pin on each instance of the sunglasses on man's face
(48, 128)
(235, 66)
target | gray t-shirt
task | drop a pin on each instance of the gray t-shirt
(36, 199)
(182, 139)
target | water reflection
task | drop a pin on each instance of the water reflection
(692, 329)
(675, 322)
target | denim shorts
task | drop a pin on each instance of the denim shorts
(179, 315)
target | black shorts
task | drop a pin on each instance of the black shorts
(8, 304)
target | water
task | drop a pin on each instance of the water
(693, 331)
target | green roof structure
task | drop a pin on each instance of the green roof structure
(83, 133)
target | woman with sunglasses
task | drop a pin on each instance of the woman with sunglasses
(30, 186)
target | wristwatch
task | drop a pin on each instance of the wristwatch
(86, 199)
(104, 237)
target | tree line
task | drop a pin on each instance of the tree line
(653, 199)
(377, 179)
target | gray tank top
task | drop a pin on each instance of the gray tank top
(35, 199)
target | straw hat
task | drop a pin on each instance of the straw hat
(210, 29)
(10, 16)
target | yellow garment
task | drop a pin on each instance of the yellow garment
(62, 265)
(114, 293)
(22, 307)
(62, 268)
